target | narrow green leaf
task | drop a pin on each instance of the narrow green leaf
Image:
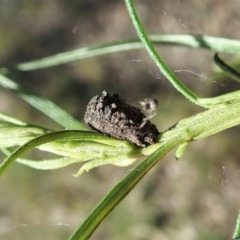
(43, 105)
(236, 234)
(49, 137)
(12, 134)
(85, 229)
(4, 117)
(49, 164)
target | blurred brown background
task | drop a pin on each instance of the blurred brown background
(194, 198)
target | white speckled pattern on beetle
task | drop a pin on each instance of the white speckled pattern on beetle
(114, 117)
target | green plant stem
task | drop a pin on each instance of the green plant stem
(156, 58)
(111, 200)
(204, 102)
(227, 69)
(199, 126)
(185, 40)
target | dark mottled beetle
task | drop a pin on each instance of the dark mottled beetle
(114, 117)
